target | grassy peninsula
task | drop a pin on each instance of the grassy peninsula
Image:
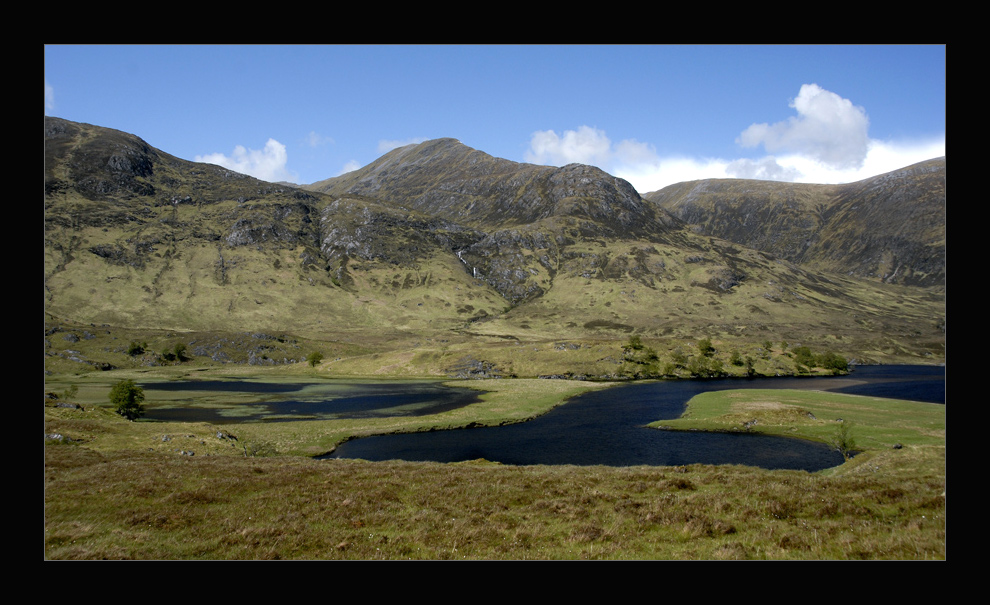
(131, 490)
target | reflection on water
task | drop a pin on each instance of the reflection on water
(607, 427)
(319, 400)
(600, 427)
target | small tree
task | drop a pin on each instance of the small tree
(128, 399)
(635, 344)
(705, 347)
(314, 358)
(736, 359)
(842, 439)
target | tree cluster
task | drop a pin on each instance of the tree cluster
(803, 356)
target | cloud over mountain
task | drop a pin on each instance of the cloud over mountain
(828, 128)
(268, 164)
(826, 142)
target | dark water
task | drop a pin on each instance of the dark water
(607, 427)
(284, 402)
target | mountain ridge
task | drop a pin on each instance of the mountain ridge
(434, 243)
(447, 178)
(890, 227)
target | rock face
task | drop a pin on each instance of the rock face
(889, 228)
(445, 178)
(521, 216)
(440, 238)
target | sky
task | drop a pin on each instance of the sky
(651, 114)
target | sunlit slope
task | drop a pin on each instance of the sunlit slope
(435, 245)
(889, 228)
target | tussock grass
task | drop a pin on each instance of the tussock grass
(119, 492)
(131, 505)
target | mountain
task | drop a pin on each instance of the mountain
(528, 213)
(439, 256)
(890, 227)
(444, 177)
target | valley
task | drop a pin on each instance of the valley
(529, 283)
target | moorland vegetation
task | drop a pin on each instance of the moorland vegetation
(440, 261)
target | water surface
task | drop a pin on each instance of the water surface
(608, 427)
(231, 402)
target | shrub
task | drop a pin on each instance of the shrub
(705, 367)
(635, 344)
(314, 358)
(836, 363)
(176, 353)
(842, 439)
(803, 356)
(128, 399)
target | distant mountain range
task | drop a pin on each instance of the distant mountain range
(890, 227)
(441, 242)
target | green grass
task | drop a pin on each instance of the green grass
(877, 423)
(117, 490)
(502, 402)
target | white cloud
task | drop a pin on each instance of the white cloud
(657, 174)
(827, 128)
(585, 145)
(765, 169)
(350, 167)
(629, 159)
(268, 164)
(827, 142)
(880, 157)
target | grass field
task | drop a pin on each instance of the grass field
(130, 490)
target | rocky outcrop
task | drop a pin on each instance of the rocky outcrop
(447, 179)
(889, 228)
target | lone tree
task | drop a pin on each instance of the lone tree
(128, 399)
(842, 440)
(314, 358)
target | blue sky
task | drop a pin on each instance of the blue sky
(652, 114)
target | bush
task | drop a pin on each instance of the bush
(804, 356)
(314, 358)
(128, 399)
(842, 440)
(635, 344)
(836, 363)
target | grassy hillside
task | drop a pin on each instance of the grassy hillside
(460, 256)
(889, 228)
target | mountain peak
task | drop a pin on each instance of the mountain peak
(444, 177)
